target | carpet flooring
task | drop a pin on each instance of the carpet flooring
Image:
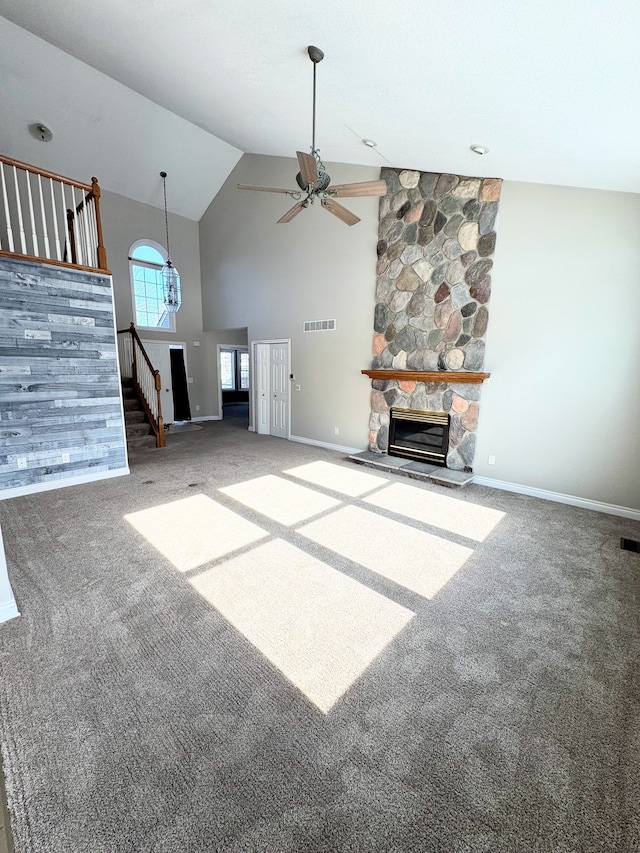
(255, 646)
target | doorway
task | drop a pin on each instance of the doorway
(233, 382)
(171, 361)
(271, 402)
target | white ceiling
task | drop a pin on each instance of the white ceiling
(549, 87)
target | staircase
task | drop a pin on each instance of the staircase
(140, 435)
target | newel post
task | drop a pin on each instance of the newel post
(102, 252)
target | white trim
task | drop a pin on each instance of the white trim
(558, 497)
(6, 494)
(8, 610)
(207, 418)
(339, 447)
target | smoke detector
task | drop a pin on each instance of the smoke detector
(40, 131)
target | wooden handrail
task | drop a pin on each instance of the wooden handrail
(35, 170)
(155, 419)
(45, 208)
(134, 334)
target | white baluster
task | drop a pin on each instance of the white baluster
(76, 229)
(43, 215)
(91, 261)
(34, 236)
(55, 222)
(23, 240)
(6, 210)
(66, 226)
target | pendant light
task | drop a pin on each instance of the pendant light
(170, 278)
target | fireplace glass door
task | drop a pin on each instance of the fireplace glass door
(419, 435)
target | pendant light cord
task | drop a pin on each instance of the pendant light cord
(163, 175)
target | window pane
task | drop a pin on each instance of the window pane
(150, 310)
(244, 371)
(148, 253)
(227, 370)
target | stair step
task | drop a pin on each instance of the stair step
(132, 404)
(138, 429)
(144, 441)
(134, 416)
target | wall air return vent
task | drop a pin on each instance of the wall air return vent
(319, 326)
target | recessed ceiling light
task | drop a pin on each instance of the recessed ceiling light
(40, 131)
(370, 143)
(479, 149)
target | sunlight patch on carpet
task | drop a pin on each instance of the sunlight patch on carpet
(320, 628)
(456, 516)
(194, 531)
(337, 478)
(284, 502)
(412, 558)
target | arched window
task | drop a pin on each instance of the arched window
(146, 260)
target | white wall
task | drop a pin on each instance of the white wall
(8, 608)
(270, 278)
(125, 221)
(562, 409)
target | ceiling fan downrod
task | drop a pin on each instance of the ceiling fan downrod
(316, 56)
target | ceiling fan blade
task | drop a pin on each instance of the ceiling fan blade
(269, 190)
(340, 211)
(364, 188)
(308, 168)
(295, 210)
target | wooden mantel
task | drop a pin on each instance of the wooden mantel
(448, 376)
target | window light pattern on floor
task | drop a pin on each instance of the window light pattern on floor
(319, 627)
(466, 519)
(412, 558)
(278, 499)
(194, 531)
(346, 481)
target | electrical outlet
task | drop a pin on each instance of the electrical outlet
(336, 430)
(491, 460)
(21, 462)
(66, 457)
(197, 408)
(190, 380)
(297, 387)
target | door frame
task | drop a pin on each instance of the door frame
(253, 385)
(170, 345)
(219, 348)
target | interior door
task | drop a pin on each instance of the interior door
(263, 388)
(158, 352)
(280, 390)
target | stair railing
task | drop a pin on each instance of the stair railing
(136, 365)
(48, 218)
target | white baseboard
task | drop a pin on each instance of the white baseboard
(583, 503)
(207, 418)
(32, 489)
(339, 447)
(8, 610)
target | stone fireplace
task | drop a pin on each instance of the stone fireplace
(436, 242)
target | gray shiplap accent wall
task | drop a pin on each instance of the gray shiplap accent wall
(59, 382)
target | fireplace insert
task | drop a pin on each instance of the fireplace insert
(423, 436)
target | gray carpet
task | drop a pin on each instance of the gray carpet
(500, 714)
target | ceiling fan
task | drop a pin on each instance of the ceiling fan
(313, 179)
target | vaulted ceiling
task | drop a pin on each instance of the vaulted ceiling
(132, 88)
